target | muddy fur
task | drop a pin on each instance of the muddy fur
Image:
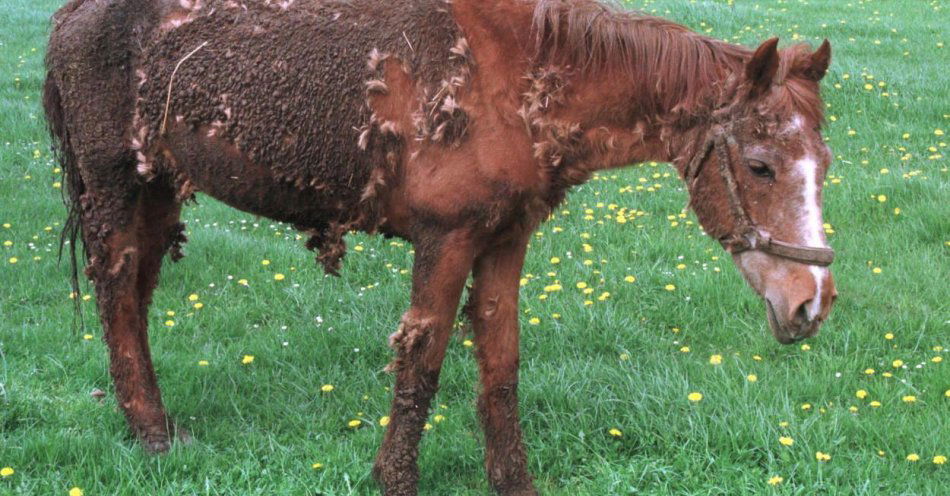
(287, 86)
(505, 455)
(395, 468)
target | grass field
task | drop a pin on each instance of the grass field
(870, 391)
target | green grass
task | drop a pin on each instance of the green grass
(617, 363)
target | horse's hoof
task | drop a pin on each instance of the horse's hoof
(394, 483)
(521, 488)
(182, 436)
(157, 445)
(525, 491)
(157, 440)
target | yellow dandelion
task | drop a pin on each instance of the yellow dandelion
(13, 260)
(882, 198)
(786, 441)
(889, 336)
(6, 471)
(909, 398)
(317, 466)
(75, 492)
(193, 297)
(876, 270)
(822, 457)
(715, 359)
(278, 277)
(468, 343)
(869, 371)
(247, 359)
(684, 349)
(752, 378)
(555, 260)
(940, 460)
(913, 457)
(202, 363)
(534, 321)
(875, 404)
(326, 388)
(169, 323)
(806, 347)
(615, 432)
(427, 427)
(630, 279)
(936, 359)
(242, 282)
(861, 394)
(806, 406)
(695, 397)
(775, 480)
(87, 337)
(670, 287)
(897, 363)
(384, 420)
(265, 262)
(353, 424)
(438, 418)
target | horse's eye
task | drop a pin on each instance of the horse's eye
(760, 169)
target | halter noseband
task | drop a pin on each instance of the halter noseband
(746, 235)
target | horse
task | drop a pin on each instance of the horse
(457, 125)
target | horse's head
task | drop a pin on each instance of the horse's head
(756, 179)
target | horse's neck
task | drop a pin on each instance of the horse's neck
(603, 111)
(616, 131)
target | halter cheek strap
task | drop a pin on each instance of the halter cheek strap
(746, 236)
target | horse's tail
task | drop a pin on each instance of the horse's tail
(66, 156)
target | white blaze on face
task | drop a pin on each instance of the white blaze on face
(810, 226)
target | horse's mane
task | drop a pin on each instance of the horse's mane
(674, 70)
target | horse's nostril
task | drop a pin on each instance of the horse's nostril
(801, 317)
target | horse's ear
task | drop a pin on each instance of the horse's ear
(762, 67)
(818, 62)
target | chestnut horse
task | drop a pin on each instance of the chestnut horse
(457, 125)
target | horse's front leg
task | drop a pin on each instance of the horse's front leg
(493, 311)
(443, 262)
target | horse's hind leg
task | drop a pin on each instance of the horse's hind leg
(126, 234)
(493, 310)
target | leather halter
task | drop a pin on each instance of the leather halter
(746, 236)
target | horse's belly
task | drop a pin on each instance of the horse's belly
(216, 167)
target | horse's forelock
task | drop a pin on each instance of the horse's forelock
(798, 93)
